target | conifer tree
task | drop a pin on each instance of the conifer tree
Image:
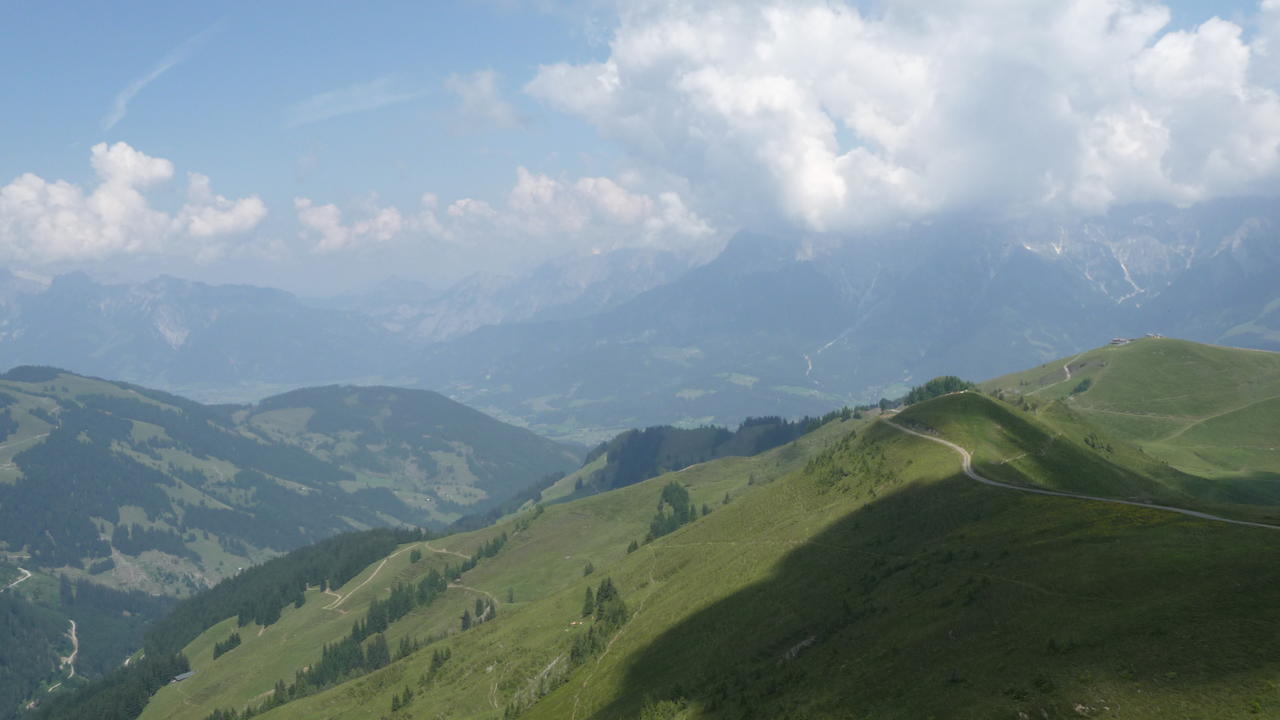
(588, 603)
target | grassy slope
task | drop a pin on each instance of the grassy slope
(877, 582)
(542, 567)
(1207, 412)
(902, 590)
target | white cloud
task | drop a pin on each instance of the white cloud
(120, 106)
(361, 97)
(207, 214)
(833, 119)
(48, 222)
(324, 224)
(480, 101)
(540, 215)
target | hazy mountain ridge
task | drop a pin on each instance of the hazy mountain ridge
(562, 288)
(799, 327)
(587, 347)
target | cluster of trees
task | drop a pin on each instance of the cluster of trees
(340, 661)
(936, 387)
(401, 700)
(418, 422)
(260, 593)
(29, 649)
(265, 590)
(119, 695)
(110, 623)
(134, 540)
(403, 598)
(486, 610)
(73, 475)
(674, 510)
(8, 425)
(609, 613)
(490, 548)
(222, 647)
(204, 433)
(638, 455)
(365, 648)
(1097, 443)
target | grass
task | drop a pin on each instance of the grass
(859, 575)
(1207, 411)
(541, 566)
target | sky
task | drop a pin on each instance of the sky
(323, 146)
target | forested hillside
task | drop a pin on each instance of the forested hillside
(142, 489)
(442, 458)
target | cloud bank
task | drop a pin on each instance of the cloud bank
(832, 119)
(539, 214)
(44, 222)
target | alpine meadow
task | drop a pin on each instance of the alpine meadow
(638, 360)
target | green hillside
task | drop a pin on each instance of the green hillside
(856, 572)
(135, 488)
(1208, 412)
(438, 456)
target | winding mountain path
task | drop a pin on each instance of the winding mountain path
(70, 660)
(967, 463)
(26, 575)
(446, 552)
(342, 598)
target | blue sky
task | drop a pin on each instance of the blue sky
(224, 105)
(540, 129)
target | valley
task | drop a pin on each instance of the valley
(991, 552)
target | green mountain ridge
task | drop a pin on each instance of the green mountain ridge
(178, 495)
(854, 572)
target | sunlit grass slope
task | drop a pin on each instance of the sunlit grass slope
(537, 580)
(1210, 412)
(872, 580)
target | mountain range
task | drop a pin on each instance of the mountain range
(585, 348)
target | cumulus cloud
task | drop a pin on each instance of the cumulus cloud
(48, 222)
(833, 119)
(539, 214)
(324, 224)
(481, 102)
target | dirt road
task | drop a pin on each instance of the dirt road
(967, 463)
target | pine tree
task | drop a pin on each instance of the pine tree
(378, 655)
(588, 569)
(466, 620)
(588, 603)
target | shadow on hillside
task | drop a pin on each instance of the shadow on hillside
(954, 600)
